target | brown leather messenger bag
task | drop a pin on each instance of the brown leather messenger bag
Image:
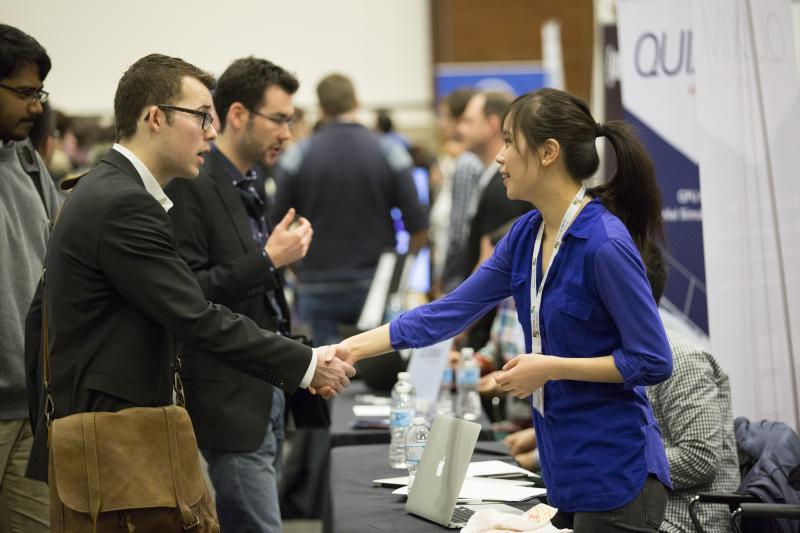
(137, 469)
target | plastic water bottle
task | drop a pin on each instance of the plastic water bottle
(416, 439)
(394, 307)
(444, 404)
(467, 377)
(403, 400)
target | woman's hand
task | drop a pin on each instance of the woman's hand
(487, 386)
(525, 374)
(520, 442)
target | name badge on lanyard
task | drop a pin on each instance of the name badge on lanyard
(537, 398)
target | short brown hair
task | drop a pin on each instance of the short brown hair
(336, 94)
(456, 102)
(154, 79)
(496, 104)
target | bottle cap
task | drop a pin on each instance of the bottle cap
(467, 352)
(418, 420)
(403, 376)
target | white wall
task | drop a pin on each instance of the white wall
(796, 19)
(383, 45)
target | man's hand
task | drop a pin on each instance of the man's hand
(528, 460)
(287, 245)
(520, 442)
(334, 352)
(525, 374)
(331, 376)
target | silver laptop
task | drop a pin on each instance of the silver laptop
(441, 473)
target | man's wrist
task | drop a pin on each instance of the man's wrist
(309, 375)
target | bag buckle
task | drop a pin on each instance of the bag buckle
(177, 385)
(49, 410)
(194, 525)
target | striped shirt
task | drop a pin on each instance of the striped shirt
(465, 182)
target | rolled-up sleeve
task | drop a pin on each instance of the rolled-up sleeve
(445, 318)
(645, 357)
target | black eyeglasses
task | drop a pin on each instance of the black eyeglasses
(278, 120)
(29, 93)
(206, 116)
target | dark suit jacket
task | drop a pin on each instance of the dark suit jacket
(120, 298)
(230, 410)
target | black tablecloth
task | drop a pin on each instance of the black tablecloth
(355, 505)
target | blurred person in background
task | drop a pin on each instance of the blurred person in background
(345, 179)
(462, 169)
(384, 125)
(489, 208)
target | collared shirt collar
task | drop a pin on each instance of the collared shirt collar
(582, 225)
(234, 173)
(150, 182)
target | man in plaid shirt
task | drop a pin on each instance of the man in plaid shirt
(693, 410)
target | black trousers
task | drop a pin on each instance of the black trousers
(644, 514)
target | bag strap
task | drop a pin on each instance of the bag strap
(49, 408)
(190, 519)
(92, 466)
(30, 164)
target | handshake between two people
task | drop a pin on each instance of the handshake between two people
(333, 372)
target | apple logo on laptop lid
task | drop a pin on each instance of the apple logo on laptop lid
(440, 466)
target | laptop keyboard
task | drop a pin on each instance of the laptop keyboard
(461, 515)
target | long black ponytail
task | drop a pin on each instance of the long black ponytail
(632, 194)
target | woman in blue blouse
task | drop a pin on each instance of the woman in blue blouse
(592, 329)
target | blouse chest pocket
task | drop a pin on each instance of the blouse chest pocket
(518, 292)
(576, 307)
(571, 327)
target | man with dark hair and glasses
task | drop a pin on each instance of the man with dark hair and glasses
(27, 203)
(120, 299)
(222, 230)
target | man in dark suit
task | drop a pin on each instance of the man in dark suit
(221, 229)
(118, 295)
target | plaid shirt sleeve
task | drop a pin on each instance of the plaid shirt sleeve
(465, 180)
(691, 417)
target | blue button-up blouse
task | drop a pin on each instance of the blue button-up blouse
(597, 441)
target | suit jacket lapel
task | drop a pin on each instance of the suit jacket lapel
(230, 199)
(124, 165)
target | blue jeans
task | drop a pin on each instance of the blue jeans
(246, 483)
(324, 311)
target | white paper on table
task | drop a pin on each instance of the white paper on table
(490, 490)
(401, 481)
(372, 411)
(494, 468)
